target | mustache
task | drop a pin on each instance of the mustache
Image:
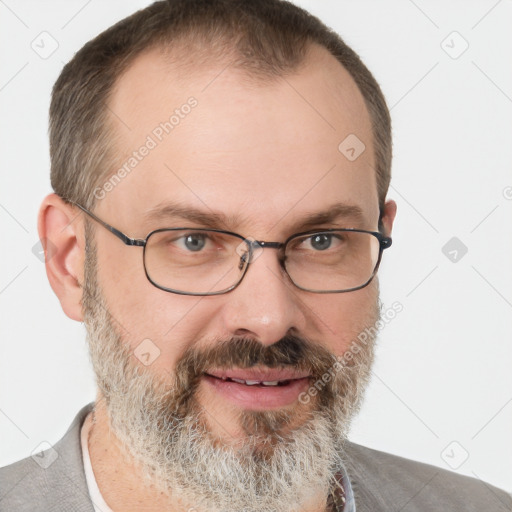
(245, 352)
(289, 351)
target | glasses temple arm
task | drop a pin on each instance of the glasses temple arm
(124, 238)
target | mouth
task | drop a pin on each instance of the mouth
(258, 389)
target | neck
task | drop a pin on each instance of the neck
(120, 478)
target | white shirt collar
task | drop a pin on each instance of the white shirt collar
(97, 499)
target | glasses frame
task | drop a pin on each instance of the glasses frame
(384, 243)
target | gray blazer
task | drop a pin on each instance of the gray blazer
(381, 482)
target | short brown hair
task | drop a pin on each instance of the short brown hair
(266, 38)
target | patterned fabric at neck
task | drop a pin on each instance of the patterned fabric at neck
(337, 497)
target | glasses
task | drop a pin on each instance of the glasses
(197, 261)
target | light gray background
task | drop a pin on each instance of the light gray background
(442, 389)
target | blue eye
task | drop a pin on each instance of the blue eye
(195, 242)
(321, 242)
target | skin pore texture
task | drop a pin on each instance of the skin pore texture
(163, 438)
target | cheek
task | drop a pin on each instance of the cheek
(149, 319)
(336, 320)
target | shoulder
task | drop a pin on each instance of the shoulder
(393, 482)
(52, 480)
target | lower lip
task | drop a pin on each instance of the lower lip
(258, 397)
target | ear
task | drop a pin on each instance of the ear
(388, 217)
(61, 232)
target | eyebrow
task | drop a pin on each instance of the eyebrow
(171, 211)
(334, 213)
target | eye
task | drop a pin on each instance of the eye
(186, 242)
(321, 241)
(194, 241)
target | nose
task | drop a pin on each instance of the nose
(265, 305)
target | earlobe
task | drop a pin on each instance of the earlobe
(61, 232)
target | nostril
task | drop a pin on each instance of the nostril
(243, 333)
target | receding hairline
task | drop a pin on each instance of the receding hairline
(209, 64)
(185, 61)
(190, 57)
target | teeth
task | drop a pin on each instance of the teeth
(256, 382)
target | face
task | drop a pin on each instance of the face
(259, 160)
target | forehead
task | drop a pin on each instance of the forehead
(259, 151)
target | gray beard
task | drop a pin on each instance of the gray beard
(164, 429)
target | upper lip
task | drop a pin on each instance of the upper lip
(261, 375)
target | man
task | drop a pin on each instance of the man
(220, 172)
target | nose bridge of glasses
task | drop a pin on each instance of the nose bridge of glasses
(257, 246)
(253, 249)
(272, 245)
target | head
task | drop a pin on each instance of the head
(225, 115)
